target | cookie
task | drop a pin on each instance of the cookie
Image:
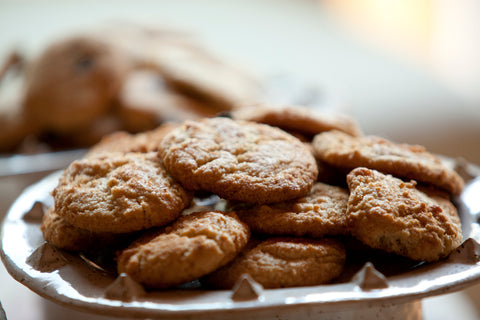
(15, 126)
(191, 247)
(401, 160)
(119, 193)
(145, 101)
(187, 66)
(322, 212)
(298, 119)
(83, 137)
(195, 72)
(387, 213)
(72, 83)
(125, 142)
(62, 235)
(283, 262)
(239, 160)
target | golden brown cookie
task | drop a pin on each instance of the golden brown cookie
(63, 235)
(322, 212)
(283, 262)
(72, 83)
(187, 66)
(298, 119)
(191, 247)
(145, 101)
(387, 213)
(239, 160)
(83, 137)
(196, 72)
(401, 160)
(125, 142)
(119, 193)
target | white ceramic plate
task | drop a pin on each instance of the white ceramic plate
(72, 281)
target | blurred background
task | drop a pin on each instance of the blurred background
(406, 70)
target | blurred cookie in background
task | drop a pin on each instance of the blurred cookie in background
(145, 100)
(73, 83)
(129, 78)
(298, 120)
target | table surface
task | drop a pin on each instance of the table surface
(390, 93)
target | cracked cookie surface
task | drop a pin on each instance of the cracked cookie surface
(387, 213)
(283, 262)
(191, 247)
(119, 193)
(239, 160)
(322, 212)
(400, 160)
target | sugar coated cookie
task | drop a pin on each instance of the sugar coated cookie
(239, 160)
(283, 262)
(389, 214)
(63, 235)
(298, 119)
(193, 246)
(400, 160)
(119, 193)
(320, 213)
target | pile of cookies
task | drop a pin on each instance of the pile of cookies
(269, 191)
(120, 77)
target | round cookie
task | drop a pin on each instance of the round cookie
(72, 83)
(401, 160)
(145, 100)
(239, 160)
(197, 73)
(283, 263)
(125, 142)
(298, 119)
(59, 233)
(320, 213)
(387, 213)
(119, 193)
(193, 246)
